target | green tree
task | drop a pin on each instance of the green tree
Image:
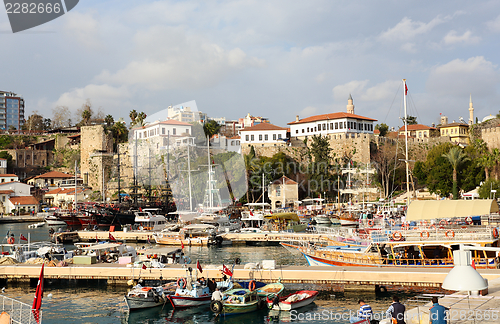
(211, 128)
(133, 115)
(320, 166)
(485, 190)
(120, 132)
(436, 172)
(249, 160)
(411, 120)
(109, 120)
(34, 122)
(86, 115)
(456, 157)
(383, 128)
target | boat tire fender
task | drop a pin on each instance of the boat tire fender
(181, 283)
(216, 306)
(251, 285)
(495, 232)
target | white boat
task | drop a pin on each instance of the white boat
(293, 301)
(36, 225)
(140, 297)
(322, 219)
(53, 220)
(146, 220)
(189, 294)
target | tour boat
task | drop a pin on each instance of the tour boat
(237, 301)
(293, 301)
(141, 297)
(187, 295)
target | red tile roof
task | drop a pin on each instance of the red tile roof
(262, 127)
(331, 116)
(23, 200)
(416, 127)
(6, 192)
(64, 191)
(8, 175)
(54, 174)
(288, 181)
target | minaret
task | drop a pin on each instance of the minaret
(471, 111)
(350, 106)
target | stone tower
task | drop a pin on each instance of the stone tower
(471, 111)
(350, 106)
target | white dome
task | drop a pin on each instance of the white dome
(488, 118)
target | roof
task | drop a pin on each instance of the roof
(452, 125)
(331, 116)
(11, 182)
(64, 191)
(288, 181)
(261, 127)
(54, 174)
(74, 136)
(432, 209)
(416, 127)
(23, 200)
(165, 122)
(6, 192)
(8, 175)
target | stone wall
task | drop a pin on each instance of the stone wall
(491, 136)
(96, 155)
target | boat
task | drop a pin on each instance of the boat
(190, 235)
(189, 294)
(146, 221)
(53, 220)
(322, 219)
(238, 301)
(140, 297)
(36, 225)
(275, 288)
(293, 301)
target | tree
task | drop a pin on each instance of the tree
(249, 167)
(386, 159)
(137, 119)
(34, 122)
(47, 124)
(133, 116)
(383, 128)
(485, 190)
(86, 115)
(435, 172)
(109, 120)
(411, 120)
(60, 117)
(456, 157)
(319, 170)
(120, 132)
(211, 128)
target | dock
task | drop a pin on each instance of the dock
(90, 236)
(21, 219)
(328, 278)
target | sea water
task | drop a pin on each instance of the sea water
(74, 302)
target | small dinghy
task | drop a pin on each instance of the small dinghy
(275, 288)
(293, 301)
(141, 297)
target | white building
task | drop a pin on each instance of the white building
(160, 131)
(3, 165)
(18, 188)
(264, 134)
(8, 178)
(339, 125)
(230, 144)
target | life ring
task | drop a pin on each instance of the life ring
(495, 232)
(451, 234)
(397, 236)
(370, 222)
(432, 227)
(423, 223)
(11, 240)
(424, 234)
(251, 285)
(405, 227)
(160, 235)
(443, 222)
(181, 283)
(468, 220)
(392, 222)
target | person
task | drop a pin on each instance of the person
(364, 312)
(202, 281)
(437, 313)
(217, 295)
(396, 311)
(211, 285)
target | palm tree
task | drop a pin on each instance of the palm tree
(456, 157)
(249, 167)
(109, 120)
(86, 115)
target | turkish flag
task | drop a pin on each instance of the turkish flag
(473, 264)
(37, 302)
(22, 238)
(198, 265)
(251, 214)
(144, 266)
(112, 238)
(406, 89)
(225, 270)
(182, 245)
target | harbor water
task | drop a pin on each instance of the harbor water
(98, 303)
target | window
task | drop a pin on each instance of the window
(296, 131)
(246, 138)
(302, 131)
(3, 180)
(163, 130)
(174, 131)
(345, 124)
(308, 129)
(336, 125)
(315, 128)
(266, 137)
(279, 136)
(260, 137)
(251, 137)
(331, 126)
(324, 126)
(145, 134)
(140, 135)
(278, 191)
(187, 130)
(274, 137)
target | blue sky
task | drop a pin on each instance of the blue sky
(275, 59)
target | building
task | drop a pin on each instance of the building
(15, 198)
(339, 125)
(3, 165)
(283, 192)
(263, 134)
(65, 197)
(11, 110)
(230, 144)
(456, 132)
(21, 205)
(185, 114)
(8, 178)
(17, 188)
(50, 179)
(249, 121)
(417, 131)
(160, 131)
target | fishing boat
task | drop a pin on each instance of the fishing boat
(189, 294)
(275, 288)
(293, 301)
(140, 297)
(238, 301)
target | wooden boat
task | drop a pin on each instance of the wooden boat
(145, 297)
(410, 249)
(238, 301)
(275, 288)
(293, 301)
(187, 295)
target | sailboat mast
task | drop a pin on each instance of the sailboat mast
(210, 189)
(75, 187)
(406, 147)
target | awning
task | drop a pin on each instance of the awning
(102, 246)
(286, 216)
(432, 209)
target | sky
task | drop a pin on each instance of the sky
(275, 59)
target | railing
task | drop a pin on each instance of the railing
(20, 313)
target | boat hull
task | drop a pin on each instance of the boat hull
(287, 306)
(134, 303)
(185, 301)
(234, 309)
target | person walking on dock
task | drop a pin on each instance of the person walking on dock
(437, 313)
(364, 313)
(396, 311)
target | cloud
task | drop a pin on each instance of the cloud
(409, 47)
(83, 28)
(494, 25)
(180, 60)
(308, 111)
(106, 96)
(407, 29)
(382, 91)
(474, 75)
(341, 92)
(453, 38)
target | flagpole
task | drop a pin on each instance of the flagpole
(406, 148)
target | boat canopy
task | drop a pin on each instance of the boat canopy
(102, 246)
(286, 216)
(432, 209)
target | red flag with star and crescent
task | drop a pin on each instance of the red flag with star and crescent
(37, 302)
(406, 89)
